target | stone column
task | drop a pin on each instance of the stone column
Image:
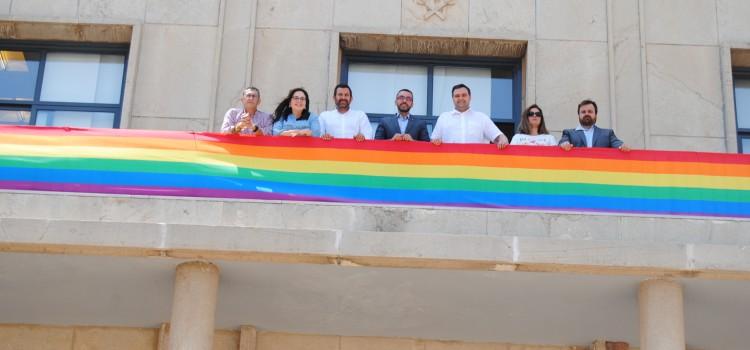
(661, 315)
(194, 306)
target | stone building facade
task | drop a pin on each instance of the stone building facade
(664, 75)
(661, 72)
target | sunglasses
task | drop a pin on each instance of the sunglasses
(531, 114)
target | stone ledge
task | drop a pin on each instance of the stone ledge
(740, 58)
(429, 45)
(374, 249)
(79, 32)
(369, 218)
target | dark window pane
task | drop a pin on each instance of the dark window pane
(742, 102)
(502, 95)
(746, 145)
(508, 128)
(14, 117)
(18, 74)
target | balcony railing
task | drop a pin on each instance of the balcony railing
(185, 164)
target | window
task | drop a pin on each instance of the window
(742, 110)
(53, 84)
(375, 78)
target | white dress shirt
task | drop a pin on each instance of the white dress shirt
(465, 127)
(589, 133)
(345, 126)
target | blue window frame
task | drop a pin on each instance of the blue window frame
(376, 77)
(742, 109)
(62, 84)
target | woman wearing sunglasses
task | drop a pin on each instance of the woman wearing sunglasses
(532, 130)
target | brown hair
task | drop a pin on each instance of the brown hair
(525, 127)
(587, 102)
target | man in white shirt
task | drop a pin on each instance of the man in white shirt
(463, 125)
(342, 122)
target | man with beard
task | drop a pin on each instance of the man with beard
(402, 126)
(342, 122)
(587, 134)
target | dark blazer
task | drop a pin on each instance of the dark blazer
(388, 127)
(602, 138)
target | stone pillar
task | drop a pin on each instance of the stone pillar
(194, 306)
(661, 315)
(248, 338)
(610, 345)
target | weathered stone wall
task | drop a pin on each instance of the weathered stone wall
(26, 337)
(660, 70)
(473, 239)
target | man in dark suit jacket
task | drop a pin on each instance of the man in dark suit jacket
(402, 127)
(587, 134)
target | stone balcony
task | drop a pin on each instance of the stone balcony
(512, 275)
(357, 270)
(346, 234)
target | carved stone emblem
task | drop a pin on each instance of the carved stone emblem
(435, 8)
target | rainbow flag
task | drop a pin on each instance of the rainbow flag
(185, 164)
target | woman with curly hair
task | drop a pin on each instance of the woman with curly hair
(293, 118)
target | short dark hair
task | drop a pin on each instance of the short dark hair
(404, 90)
(458, 86)
(343, 86)
(587, 102)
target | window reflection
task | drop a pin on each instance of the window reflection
(502, 95)
(18, 75)
(80, 119)
(61, 84)
(375, 85)
(14, 117)
(742, 109)
(479, 80)
(82, 77)
(742, 102)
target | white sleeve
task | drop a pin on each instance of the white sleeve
(491, 132)
(365, 127)
(437, 131)
(322, 122)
